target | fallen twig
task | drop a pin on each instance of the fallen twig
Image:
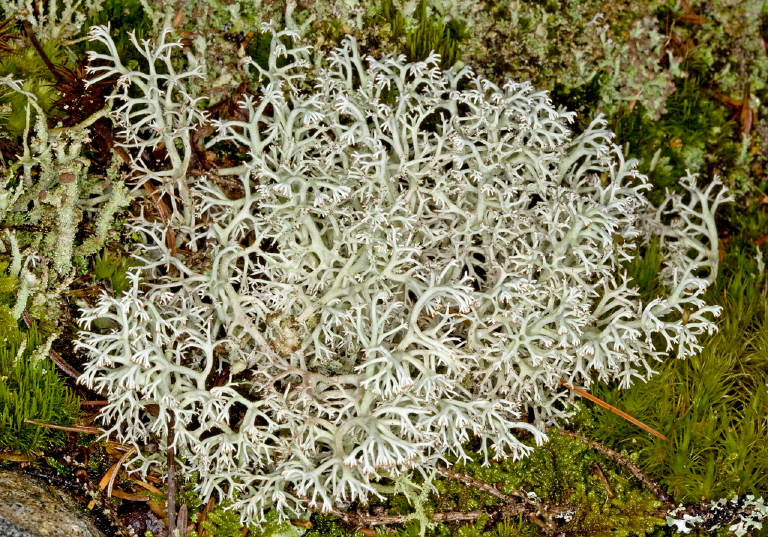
(360, 520)
(615, 410)
(63, 365)
(72, 428)
(624, 461)
(112, 472)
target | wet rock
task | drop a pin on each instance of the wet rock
(31, 508)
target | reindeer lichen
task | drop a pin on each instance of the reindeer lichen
(408, 258)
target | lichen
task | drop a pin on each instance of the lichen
(456, 242)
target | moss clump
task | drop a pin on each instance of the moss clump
(114, 269)
(711, 406)
(25, 64)
(329, 526)
(221, 522)
(563, 473)
(123, 16)
(693, 129)
(31, 389)
(425, 32)
(593, 496)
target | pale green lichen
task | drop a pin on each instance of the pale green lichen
(57, 20)
(46, 194)
(456, 241)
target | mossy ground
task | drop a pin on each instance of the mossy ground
(705, 114)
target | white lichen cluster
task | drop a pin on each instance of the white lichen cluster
(740, 515)
(405, 259)
(57, 20)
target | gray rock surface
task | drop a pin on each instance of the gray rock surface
(31, 508)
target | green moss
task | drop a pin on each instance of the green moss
(114, 268)
(693, 127)
(60, 469)
(274, 527)
(430, 33)
(561, 473)
(31, 389)
(711, 406)
(221, 522)
(329, 526)
(644, 270)
(122, 16)
(26, 65)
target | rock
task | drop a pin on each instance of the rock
(30, 508)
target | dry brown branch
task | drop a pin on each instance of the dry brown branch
(71, 429)
(624, 461)
(615, 410)
(63, 365)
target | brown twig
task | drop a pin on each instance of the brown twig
(72, 429)
(469, 480)
(117, 469)
(615, 410)
(63, 365)
(360, 520)
(598, 471)
(170, 454)
(624, 461)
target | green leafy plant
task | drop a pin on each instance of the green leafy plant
(31, 389)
